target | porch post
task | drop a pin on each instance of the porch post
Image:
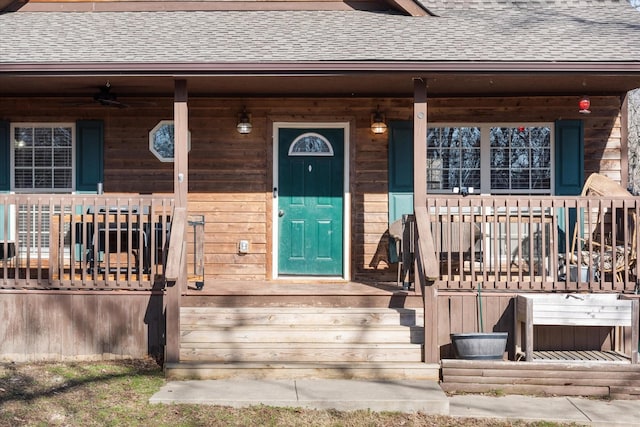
(180, 174)
(429, 291)
(624, 141)
(419, 142)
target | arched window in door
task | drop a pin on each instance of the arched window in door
(310, 144)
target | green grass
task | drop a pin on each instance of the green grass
(117, 394)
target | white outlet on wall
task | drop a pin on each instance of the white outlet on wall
(243, 246)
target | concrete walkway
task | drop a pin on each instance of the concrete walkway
(406, 396)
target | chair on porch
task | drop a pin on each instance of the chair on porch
(10, 253)
(601, 250)
(455, 243)
(401, 248)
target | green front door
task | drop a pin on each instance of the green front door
(310, 201)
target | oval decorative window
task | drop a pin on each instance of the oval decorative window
(311, 144)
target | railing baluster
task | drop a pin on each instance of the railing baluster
(522, 246)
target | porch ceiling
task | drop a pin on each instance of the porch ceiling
(335, 84)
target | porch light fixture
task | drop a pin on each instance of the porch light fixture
(584, 105)
(244, 123)
(378, 125)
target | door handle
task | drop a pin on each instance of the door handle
(281, 213)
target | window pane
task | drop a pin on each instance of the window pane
(499, 158)
(62, 157)
(23, 156)
(43, 137)
(62, 137)
(311, 144)
(453, 158)
(520, 180)
(40, 152)
(470, 137)
(451, 178)
(62, 178)
(540, 137)
(499, 179)
(540, 179)
(433, 137)
(499, 137)
(24, 178)
(450, 137)
(42, 157)
(470, 178)
(23, 137)
(540, 157)
(43, 178)
(520, 158)
(519, 137)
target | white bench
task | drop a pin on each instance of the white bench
(573, 310)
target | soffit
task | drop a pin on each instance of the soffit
(336, 85)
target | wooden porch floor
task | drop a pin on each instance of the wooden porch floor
(296, 287)
(229, 293)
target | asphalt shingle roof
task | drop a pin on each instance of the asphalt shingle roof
(444, 6)
(496, 30)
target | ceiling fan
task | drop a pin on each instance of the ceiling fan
(105, 97)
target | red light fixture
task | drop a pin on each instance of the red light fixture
(584, 105)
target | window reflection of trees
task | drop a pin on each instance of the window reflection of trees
(163, 141)
(453, 157)
(520, 158)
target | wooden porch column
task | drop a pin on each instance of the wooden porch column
(624, 141)
(419, 142)
(181, 182)
(429, 292)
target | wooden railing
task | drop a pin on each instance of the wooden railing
(532, 242)
(177, 247)
(83, 242)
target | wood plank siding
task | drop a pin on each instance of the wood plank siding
(80, 325)
(230, 175)
(604, 378)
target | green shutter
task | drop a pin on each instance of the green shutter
(5, 157)
(400, 169)
(569, 170)
(569, 158)
(89, 155)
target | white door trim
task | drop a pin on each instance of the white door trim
(346, 209)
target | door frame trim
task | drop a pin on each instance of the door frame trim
(346, 194)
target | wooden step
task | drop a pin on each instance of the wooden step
(302, 352)
(303, 334)
(291, 370)
(301, 342)
(222, 316)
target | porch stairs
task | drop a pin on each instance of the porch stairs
(301, 342)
